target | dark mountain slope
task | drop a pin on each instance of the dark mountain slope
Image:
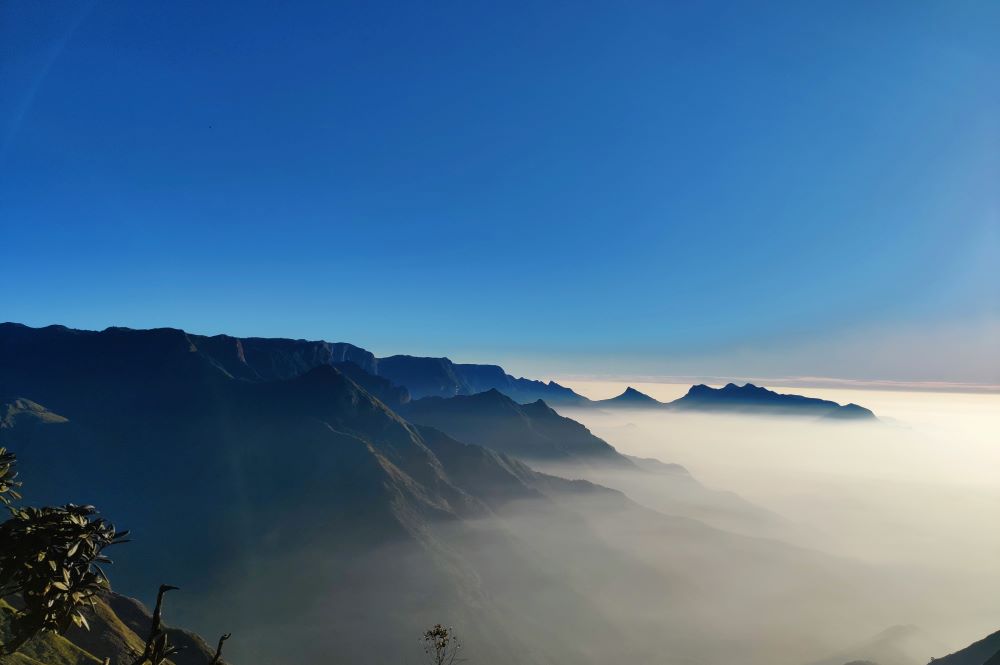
(423, 376)
(754, 399)
(271, 359)
(440, 377)
(389, 393)
(985, 651)
(480, 378)
(528, 431)
(263, 359)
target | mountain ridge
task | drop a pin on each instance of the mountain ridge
(263, 359)
(748, 398)
(531, 431)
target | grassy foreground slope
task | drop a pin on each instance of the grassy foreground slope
(116, 623)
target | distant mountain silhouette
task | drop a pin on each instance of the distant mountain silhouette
(528, 431)
(631, 398)
(747, 398)
(754, 399)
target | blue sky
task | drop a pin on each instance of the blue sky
(564, 187)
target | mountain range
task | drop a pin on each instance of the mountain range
(398, 379)
(747, 398)
(309, 506)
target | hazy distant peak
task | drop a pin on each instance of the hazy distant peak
(538, 408)
(491, 396)
(757, 399)
(746, 388)
(630, 398)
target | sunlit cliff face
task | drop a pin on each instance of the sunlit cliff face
(917, 494)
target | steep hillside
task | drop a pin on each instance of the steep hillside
(984, 652)
(118, 629)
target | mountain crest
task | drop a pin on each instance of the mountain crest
(631, 398)
(750, 398)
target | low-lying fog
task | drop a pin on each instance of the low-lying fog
(917, 494)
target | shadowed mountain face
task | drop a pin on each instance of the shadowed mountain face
(440, 377)
(528, 431)
(754, 399)
(262, 359)
(306, 516)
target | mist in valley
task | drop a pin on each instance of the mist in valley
(909, 504)
(309, 518)
(782, 540)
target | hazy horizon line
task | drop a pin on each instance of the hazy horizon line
(791, 381)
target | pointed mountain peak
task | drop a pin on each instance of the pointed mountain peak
(630, 398)
(538, 407)
(491, 397)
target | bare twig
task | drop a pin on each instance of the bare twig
(157, 649)
(217, 658)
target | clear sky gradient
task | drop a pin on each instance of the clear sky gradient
(739, 188)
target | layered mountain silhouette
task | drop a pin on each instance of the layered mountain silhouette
(440, 377)
(548, 441)
(747, 398)
(267, 359)
(529, 431)
(301, 511)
